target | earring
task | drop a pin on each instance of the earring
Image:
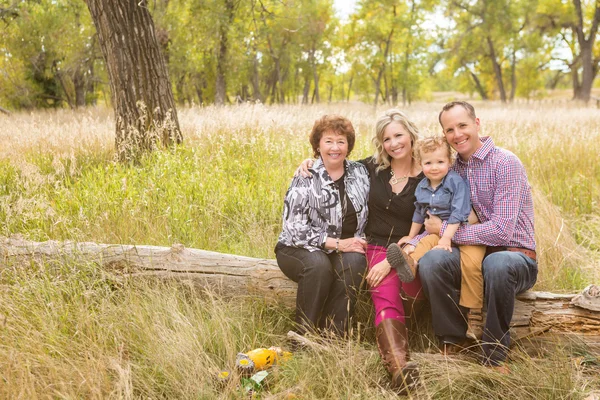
(318, 150)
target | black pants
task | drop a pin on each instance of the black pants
(505, 274)
(327, 286)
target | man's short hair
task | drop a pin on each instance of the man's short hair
(467, 106)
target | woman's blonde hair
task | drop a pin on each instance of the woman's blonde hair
(381, 156)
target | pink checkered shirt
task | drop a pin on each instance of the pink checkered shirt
(501, 197)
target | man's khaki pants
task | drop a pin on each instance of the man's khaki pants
(471, 258)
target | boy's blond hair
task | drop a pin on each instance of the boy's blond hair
(431, 144)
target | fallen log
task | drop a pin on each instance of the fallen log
(536, 313)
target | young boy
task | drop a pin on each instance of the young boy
(443, 193)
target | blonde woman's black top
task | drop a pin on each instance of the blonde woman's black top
(390, 214)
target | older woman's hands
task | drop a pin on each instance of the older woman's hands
(353, 245)
(378, 273)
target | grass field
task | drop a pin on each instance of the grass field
(69, 331)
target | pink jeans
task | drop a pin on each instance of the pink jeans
(386, 296)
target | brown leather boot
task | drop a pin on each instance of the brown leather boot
(392, 341)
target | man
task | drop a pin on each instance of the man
(502, 200)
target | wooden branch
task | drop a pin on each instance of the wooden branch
(228, 274)
(535, 313)
(4, 111)
(572, 316)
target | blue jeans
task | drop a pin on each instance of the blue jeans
(505, 274)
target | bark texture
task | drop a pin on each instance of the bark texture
(141, 92)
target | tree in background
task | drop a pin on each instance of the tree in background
(576, 23)
(586, 37)
(297, 51)
(49, 54)
(141, 91)
(488, 41)
(391, 42)
(316, 28)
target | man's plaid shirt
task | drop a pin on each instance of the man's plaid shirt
(501, 197)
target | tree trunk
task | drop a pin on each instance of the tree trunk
(59, 78)
(316, 80)
(281, 79)
(91, 78)
(349, 88)
(497, 70)
(575, 81)
(587, 74)
(256, 93)
(383, 63)
(306, 89)
(199, 86)
(377, 87)
(586, 46)
(80, 85)
(141, 92)
(221, 84)
(234, 276)
(513, 76)
(478, 85)
(386, 91)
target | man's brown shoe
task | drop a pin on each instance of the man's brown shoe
(452, 349)
(501, 369)
(474, 324)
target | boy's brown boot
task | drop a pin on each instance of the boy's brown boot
(474, 324)
(405, 266)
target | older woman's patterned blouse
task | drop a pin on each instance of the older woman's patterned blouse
(312, 210)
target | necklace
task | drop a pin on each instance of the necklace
(395, 181)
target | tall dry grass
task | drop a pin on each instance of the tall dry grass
(69, 330)
(223, 189)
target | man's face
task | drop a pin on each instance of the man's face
(461, 131)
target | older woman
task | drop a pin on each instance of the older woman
(320, 245)
(394, 175)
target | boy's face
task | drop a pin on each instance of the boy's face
(435, 165)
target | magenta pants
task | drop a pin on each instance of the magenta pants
(386, 296)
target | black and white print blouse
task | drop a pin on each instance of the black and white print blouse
(312, 210)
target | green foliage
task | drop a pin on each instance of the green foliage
(189, 196)
(298, 51)
(389, 43)
(47, 55)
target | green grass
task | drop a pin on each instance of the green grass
(71, 330)
(223, 189)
